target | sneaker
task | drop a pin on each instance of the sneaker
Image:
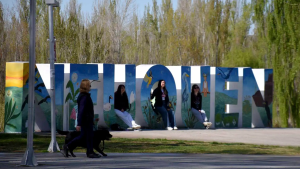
(175, 128)
(136, 126)
(169, 128)
(93, 156)
(207, 123)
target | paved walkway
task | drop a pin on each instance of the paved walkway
(282, 137)
(265, 136)
(145, 160)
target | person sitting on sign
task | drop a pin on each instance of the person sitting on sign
(196, 104)
(121, 107)
(162, 105)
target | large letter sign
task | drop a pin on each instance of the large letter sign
(231, 97)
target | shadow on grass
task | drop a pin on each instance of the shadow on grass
(17, 143)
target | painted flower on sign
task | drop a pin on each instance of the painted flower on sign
(74, 77)
(73, 114)
(107, 107)
(131, 97)
(9, 93)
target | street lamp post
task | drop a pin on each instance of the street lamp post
(53, 147)
(29, 158)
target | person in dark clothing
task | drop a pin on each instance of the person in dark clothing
(85, 120)
(162, 105)
(121, 107)
(196, 104)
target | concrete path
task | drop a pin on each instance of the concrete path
(265, 136)
(145, 160)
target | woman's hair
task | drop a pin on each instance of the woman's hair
(159, 86)
(119, 90)
(195, 86)
(85, 86)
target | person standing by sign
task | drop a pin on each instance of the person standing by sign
(162, 105)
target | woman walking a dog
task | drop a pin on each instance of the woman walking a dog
(162, 105)
(85, 121)
(196, 104)
(121, 107)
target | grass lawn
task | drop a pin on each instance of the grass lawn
(17, 143)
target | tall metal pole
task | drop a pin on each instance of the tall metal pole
(53, 147)
(29, 158)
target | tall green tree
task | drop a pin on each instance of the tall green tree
(284, 37)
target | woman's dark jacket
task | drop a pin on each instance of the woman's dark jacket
(158, 99)
(121, 101)
(196, 101)
(85, 115)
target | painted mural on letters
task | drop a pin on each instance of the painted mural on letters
(153, 75)
(187, 116)
(224, 96)
(256, 107)
(78, 72)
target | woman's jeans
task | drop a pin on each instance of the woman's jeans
(126, 117)
(167, 115)
(199, 115)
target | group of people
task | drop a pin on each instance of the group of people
(86, 111)
(162, 105)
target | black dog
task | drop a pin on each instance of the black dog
(99, 135)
